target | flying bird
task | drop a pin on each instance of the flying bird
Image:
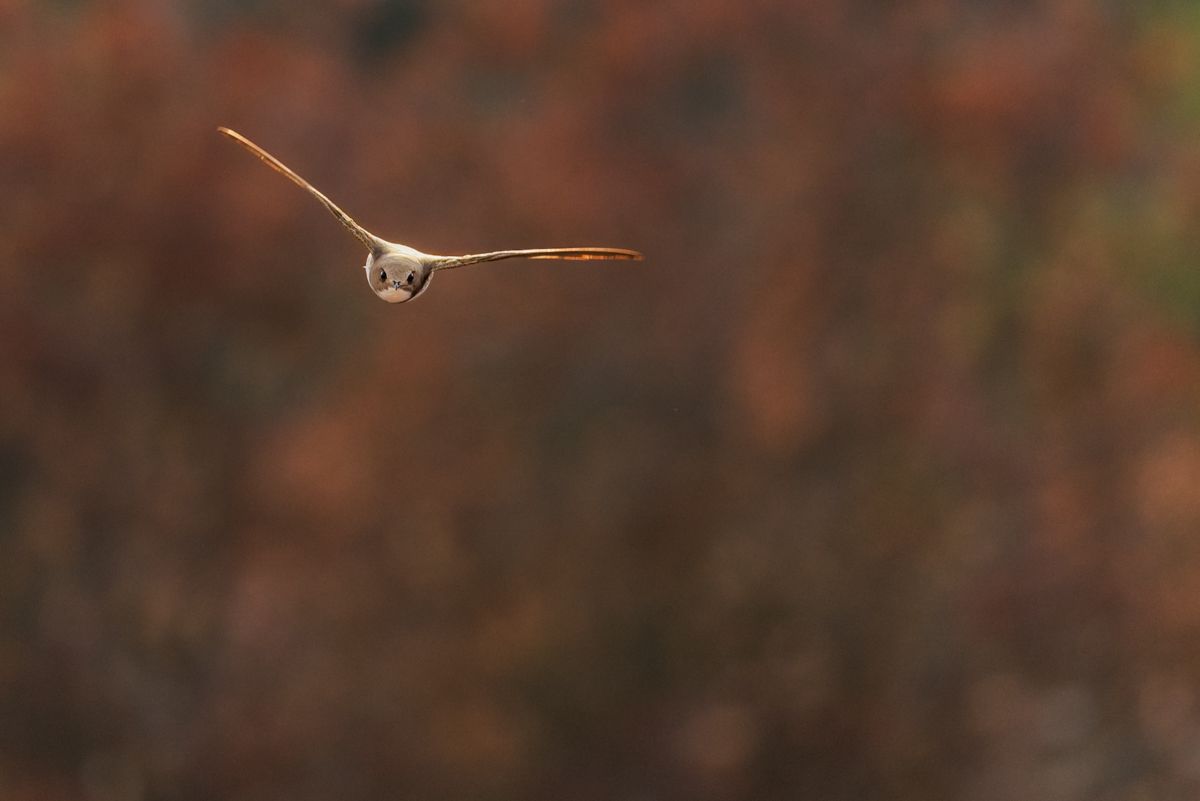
(398, 273)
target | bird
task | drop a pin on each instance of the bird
(398, 273)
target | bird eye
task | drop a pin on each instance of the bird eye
(410, 278)
(383, 276)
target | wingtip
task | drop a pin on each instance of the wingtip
(622, 254)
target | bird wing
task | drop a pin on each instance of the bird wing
(366, 237)
(573, 254)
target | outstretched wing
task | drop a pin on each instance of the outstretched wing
(366, 237)
(574, 254)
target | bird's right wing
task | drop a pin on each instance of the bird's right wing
(366, 237)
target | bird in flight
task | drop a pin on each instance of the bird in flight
(397, 272)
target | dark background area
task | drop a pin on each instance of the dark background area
(878, 479)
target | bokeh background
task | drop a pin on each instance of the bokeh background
(879, 479)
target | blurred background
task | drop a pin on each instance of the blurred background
(878, 479)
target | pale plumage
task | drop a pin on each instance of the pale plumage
(398, 273)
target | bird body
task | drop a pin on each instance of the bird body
(399, 273)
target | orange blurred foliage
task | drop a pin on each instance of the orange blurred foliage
(878, 479)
